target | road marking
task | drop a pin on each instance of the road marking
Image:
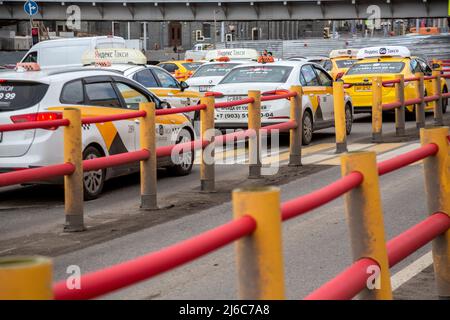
(396, 152)
(411, 271)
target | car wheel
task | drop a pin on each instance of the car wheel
(444, 102)
(348, 119)
(186, 160)
(93, 181)
(307, 128)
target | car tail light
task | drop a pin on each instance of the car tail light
(347, 85)
(339, 75)
(214, 94)
(2, 80)
(39, 116)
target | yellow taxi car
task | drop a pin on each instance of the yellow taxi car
(181, 69)
(340, 61)
(131, 64)
(386, 62)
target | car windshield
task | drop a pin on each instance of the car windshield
(345, 63)
(214, 70)
(20, 95)
(376, 67)
(192, 66)
(263, 73)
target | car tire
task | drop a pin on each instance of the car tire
(93, 181)
(308, 127)
(187, 159)
(348, 119)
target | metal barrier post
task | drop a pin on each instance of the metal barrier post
(26, 278)
(73, 184)
(377, 111)
(260, 255)
(149, 166)
(437, 186)
(420, 107)
(438, 117)
(400, 111)
(365, 219)
(295, 145)
(339, 116)
(207, 173)
(254, 143)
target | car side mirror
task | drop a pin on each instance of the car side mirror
(164, 105)
(183, 85)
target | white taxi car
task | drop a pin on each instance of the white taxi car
(132, 64)
(210, 73)
(42, 95)
(318, 109)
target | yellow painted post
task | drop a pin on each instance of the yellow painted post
(295, 135)
(260, 255)
(365, 219)
(25, 278)
(254, 143)
(377, 111)
(207, 173)
(420, 107)
(147, 136)
(438, 117)
(400, 111)
(73, 184)
(437, 187)
(340, 116)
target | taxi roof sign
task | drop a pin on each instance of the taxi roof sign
(389, 51)
(113, 55)
(232, 53)
(338, 53)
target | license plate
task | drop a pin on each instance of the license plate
(235, 98)
(362, 88)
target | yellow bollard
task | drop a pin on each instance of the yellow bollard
(400, 111)
(420, 107)
(207, 174)
(295, 135)
(147, 138)
(254, 143)
(339, 116)
(260, 255)
(73, 184)
(26, 278)
(438, 117)
(437, 187)
(365, 219)
(377, 111)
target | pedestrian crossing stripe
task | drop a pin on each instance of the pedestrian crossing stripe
(319, 154)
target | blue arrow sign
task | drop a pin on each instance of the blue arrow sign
(31, 8)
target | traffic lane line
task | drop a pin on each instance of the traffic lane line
(410, 271)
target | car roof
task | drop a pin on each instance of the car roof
(48, 75)
(285, 63)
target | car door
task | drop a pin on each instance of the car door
(132, 96)
(326, 102)
(102, 98)
(316, 92)
(427, 71)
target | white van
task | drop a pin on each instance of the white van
(69, 51)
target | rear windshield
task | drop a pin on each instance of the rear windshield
(261, 73)
(345, 63)
(376, 67)
(20, 95)
(214, 70)
(192, 66)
